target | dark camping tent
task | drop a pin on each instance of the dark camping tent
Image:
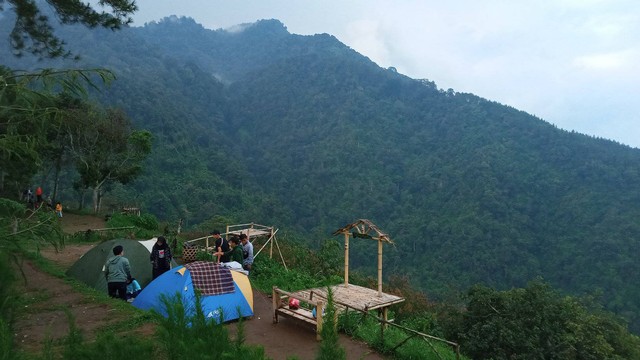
(89, 268)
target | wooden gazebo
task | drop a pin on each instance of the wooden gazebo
(363, 229)
(345, 296)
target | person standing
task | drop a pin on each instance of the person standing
(247, 249)
(222, 246)
(38, 196)
(59, 209)
(117, 271)
(160, 257)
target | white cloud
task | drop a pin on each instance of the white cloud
(610, 61)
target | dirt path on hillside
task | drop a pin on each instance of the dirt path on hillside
(48, 319)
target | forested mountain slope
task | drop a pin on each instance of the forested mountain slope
(303, 132)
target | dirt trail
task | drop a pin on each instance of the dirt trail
(47, 319)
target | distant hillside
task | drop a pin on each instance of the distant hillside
(301, 131)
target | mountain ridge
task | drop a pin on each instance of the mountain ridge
(305, 132)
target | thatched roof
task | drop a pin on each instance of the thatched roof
(365, 229)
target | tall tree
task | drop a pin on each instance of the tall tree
(33, 32)
(109, 151)
(31, 119)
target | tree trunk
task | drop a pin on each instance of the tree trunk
(81, 202)
(96, 198)
(56, 180)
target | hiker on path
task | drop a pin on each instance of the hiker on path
(160, 257)
(117, 271)
(59, 209)
(247, 249)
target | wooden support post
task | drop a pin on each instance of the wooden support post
(346, 259)
(206, 247)
(379, 268)
(384, 314)
(275, 297)
(271, 246)
(319, 311)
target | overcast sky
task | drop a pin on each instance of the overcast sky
(573, 63)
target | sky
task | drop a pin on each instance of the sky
(572, 63)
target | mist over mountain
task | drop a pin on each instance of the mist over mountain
(257, 124)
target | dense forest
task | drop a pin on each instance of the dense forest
(257, 124)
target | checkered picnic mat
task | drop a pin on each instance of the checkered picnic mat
(210, 278)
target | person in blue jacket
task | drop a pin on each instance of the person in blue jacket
(133, 289)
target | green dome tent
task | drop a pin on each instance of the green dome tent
(89, 268)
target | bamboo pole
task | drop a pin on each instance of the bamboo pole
(379, 268)
(271, 249)
(346, 259)
(275, 296)
(319, 311)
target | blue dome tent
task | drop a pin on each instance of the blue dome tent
(226, 295)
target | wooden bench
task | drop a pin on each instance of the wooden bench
(281, 307)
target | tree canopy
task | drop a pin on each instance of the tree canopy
(33, 32)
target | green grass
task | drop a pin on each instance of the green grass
(269, 273)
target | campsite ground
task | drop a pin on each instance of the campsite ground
(41, 320)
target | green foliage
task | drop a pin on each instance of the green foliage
(32, 31)
(7, 306)
(27, 229)
(330, 348)
(197, 337)
(144, 221)
(537, 322)
(205, 256)
(470, 191)
(146, 225)
(267, 273)
(367, 329)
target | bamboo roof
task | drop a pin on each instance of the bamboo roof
(364, 227)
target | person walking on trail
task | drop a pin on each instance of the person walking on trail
(117, 271)
(247, 249)
(160, 257)
(59, 209)
(221, 246)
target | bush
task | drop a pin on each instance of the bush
(145, 225)
(196, 337)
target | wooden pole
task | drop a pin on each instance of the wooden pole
(379, 268)
(346, 259)
(275, 297)
(319, 310)
(271, 248)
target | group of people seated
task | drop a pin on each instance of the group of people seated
(238, 249)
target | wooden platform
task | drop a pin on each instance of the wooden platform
(345, 297)
(352, 296)
(251, 233)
